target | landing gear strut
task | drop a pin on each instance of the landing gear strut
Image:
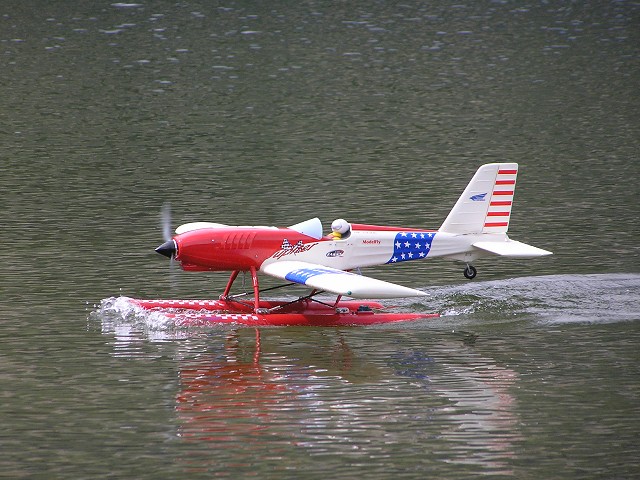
(470, 272)
(256, 307)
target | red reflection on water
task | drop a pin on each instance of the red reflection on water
(223, 399)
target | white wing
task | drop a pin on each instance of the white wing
(337, 281)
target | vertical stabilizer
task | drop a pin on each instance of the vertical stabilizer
(485, 205)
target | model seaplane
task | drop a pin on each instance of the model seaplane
(301, 254)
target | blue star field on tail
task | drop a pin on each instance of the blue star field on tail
(411, 246)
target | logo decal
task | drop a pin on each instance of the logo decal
(371, 242)
(335, 253)
(288, 249)
(478, 198)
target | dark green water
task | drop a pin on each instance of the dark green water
(275, 112)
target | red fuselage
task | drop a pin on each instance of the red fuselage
(237, 248)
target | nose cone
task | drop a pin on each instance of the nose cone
(168, 249)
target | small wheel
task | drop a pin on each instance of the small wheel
(470, 272)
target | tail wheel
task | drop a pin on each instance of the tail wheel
(470, 272)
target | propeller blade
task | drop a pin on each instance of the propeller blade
(166, 222)
(169, 248)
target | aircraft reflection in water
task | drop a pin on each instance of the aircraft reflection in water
(226, 399)
(250, 400)
(256, 394)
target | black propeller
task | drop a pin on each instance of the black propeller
(169, 247)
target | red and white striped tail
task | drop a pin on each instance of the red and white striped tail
(485, 205)
(499, 212)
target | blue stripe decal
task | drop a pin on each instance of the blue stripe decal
(301, 275)
(411, 246)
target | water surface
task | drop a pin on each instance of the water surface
(248, 113)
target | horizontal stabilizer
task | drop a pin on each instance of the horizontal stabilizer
(337, 281)
(512, 248)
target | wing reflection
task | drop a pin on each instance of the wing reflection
(480, 422)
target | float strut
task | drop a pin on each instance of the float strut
(232, 279)
(256, 288)
(338, 300)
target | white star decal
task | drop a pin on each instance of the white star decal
(410, 249)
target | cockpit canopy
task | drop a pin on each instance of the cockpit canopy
(311, 227)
